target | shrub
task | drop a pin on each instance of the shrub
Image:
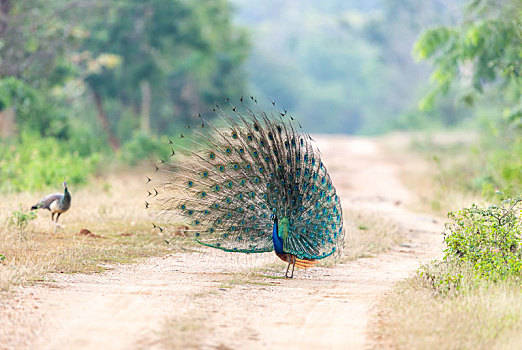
(33, 163)
(482, 246)
(19, 219)
(488, 240)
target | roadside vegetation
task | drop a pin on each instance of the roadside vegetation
(471, 298)
(105, 228)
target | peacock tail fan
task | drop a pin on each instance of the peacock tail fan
(232, 176)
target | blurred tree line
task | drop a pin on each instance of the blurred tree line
(347, 63)
(104, 77)
(125, 60)
(89, 77)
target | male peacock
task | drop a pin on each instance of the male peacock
(253, 185)
(56, 203)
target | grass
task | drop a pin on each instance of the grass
(111, 208)
(414, 316)
(368, 234)
(183, 331)
(436, 167)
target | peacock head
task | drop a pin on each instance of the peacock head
(64, 184)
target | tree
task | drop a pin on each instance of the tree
(35, 36)
(483, 50)
(403, 80)
(176, 57)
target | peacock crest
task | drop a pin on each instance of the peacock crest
(250, 178)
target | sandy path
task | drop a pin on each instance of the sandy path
(198, 301)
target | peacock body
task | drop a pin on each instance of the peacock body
(253, 184)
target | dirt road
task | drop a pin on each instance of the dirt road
(205, 301)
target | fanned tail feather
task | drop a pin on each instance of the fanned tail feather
(228, 180)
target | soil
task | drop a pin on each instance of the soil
(217, 300)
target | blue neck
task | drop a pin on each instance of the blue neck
(278, 242)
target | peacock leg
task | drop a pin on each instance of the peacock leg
(290, 262)
(57, 216)
(288, 268)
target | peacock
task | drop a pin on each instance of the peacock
(56, 203)
(250, 182)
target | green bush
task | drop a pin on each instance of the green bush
(33, 163)
(142, 147)
(482, 246)
(488, 240)
(20, 219)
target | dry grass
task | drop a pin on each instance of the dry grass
(183, 332)
(428, 166)
(415, 317)
(112, 207)
(368, 234)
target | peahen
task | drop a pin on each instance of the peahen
(56, 203)
(252, 183)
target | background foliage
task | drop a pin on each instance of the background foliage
(32, 163)
(105, 80)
